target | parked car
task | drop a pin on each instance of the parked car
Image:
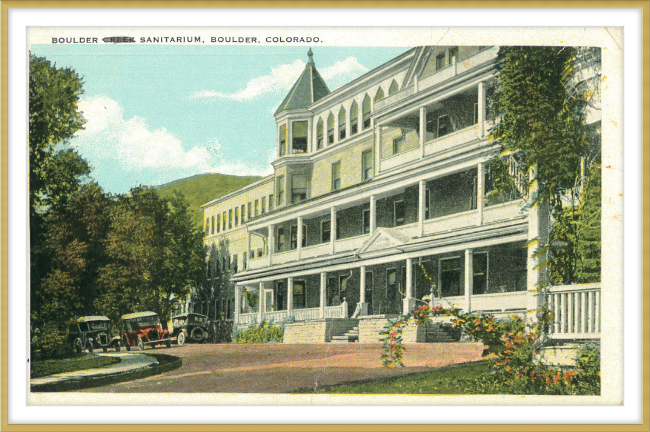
(190, 327)
(142, 329)
(93, 332)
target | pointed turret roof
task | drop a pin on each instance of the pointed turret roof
(309, 88)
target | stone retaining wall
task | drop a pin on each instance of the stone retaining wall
(317, 331)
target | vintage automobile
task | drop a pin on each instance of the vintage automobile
(93, 332)
(142, 329)
(190, 327)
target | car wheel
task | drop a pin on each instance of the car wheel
(181, 338)
(127, 345)
(168, 343)
(141, 343)
(105, 349)
(77, 346)
(118, 347)
(197, 334)
(91, 349)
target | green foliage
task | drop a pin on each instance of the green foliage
(81, 362)
(262, 333)
(202, 188)
(48, 341)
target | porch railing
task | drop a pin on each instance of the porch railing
(339, 311)
(577, 311)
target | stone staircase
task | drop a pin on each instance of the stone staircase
(351, 335)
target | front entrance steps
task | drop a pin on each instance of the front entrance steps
(349, 336)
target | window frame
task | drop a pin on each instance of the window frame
(486, 274)
(230, 219)
(336, 186)
(447, 126)
(236, 216)
(460, 269)
(398, 144)
(280, 190)
(329, 230)
(256, 207)
(365, 211)
(395, 203)
(367, 173)
(283, 142)
(320, 135)
(294, 150)
(366, 121)
(280, 239)
(303, 284)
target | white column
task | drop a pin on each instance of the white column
(299, 245)
(481, 109)
(260, 313)
(422, 200)
(323, 293)
(409, 301)
(480, 193)
(537, 236)
(333, 228)
(289, 296)
(271, 243)
(237, 303)
(423, 129)
(362, 292)
(469, 279)
(378, 142)
(373, 214)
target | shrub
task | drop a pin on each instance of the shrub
(49, 343)
(265, 332)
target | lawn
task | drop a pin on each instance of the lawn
(51, 367)
(451, 380)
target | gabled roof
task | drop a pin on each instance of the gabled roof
(309, 88)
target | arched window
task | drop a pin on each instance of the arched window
(354, 118)
(342, 121)
(319, 134)
(365, 110)
(330, 129)
(380, 95)
(394, 88)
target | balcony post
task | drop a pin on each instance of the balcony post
(333, 229)
(237, 304)
(481, 109)
(289, 296)
(299, 239)
(423, 129)
(378, 145)
(469, 279)
(261, 303)
(323, 292)
(373, 214)
(363, 306)
(480, 193)
(271, 243)
(409, 301)
(422, 201)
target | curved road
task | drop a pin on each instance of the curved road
(280, 368)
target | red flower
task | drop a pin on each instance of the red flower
(490, 328)
(557, 377)
(508, 352)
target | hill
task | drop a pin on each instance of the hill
(200, 189)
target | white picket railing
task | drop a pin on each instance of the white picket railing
(339, 311)
(577, 311)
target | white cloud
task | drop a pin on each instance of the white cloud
(283, 77)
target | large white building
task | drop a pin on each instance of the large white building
(379, 189)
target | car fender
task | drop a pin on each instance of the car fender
(114, 341)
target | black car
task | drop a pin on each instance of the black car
(93, 332)
(190, 327)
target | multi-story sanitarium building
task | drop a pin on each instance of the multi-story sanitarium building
(378, 190)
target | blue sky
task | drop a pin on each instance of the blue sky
(160, 113)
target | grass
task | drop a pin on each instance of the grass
(451, 380)
(57, 366)
(201, 189)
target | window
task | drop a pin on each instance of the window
(228, 263)
(365, 113)
(257, 207)
(230, 219)
(342, 123)
(475, 113)
(440, 61)
(444, 125)
(325, 230)
(450, 276)
(298, 188)
(294, 236)
(367, 165)
(252, 253)
(398, 213)
(379, 95)
(336, 175)
(234, 263)
(271, 202)
(354, 119)
(427, 203)
(225, 220)
(394, 88)
(263, 205)
(332, 292)
(248, 210)
(398, 144)
(243, 212)
(330, 129)
(299, 136)
(319, 134)
(299, 294)
(223, 264)
(453, 55)
(480, 277)
(283, 140)
(280, 189)
(260, 252)
(212, 225)
(281, 239)
(206, 227)
(365, 221)
(368, 289)
(236, 216)
(244, 260)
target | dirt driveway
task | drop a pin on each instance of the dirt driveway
(279, 368)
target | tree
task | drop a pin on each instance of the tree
(541, 109)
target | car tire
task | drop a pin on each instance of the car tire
(127, 345)
(168, 343)
(105, 349)
(118, 347)
(141, 343)
(91, 349)
(198, 334)
(180, 340)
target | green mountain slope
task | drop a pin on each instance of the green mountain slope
(200, 189)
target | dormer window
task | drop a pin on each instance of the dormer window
(394, 88)
(283, 140)
(342, 125)
(319, 135)
(299, 137)
(330, 129)
(379, 95)
(365, 108)
(354, 119)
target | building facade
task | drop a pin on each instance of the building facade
(377, 204)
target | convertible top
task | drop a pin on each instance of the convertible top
(138, 315)
(92, 318)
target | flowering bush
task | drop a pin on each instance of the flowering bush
(265, 332)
